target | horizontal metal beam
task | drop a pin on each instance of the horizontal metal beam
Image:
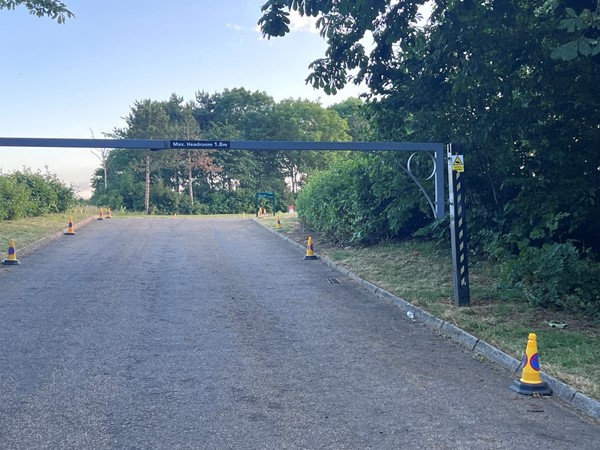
(341, 146)
(152, 144)
(157, 144)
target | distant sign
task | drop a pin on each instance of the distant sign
(200, 144)
(458, 163)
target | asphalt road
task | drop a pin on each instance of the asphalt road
(214, 334)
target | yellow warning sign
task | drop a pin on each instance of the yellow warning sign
(458, 164)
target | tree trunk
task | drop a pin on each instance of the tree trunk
(294, 179)
(148, 183)
(190, 180)
(105, 176)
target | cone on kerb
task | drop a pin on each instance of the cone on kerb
(310, 253)
(531, 382)
(108, 214)
(11, 259)
(278, 223)
(70, 228)
(101, 214)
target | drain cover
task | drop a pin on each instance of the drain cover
(333, 280)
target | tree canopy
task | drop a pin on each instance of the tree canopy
(511, 82)
(218, 182)
(481, 74)
(54, 9)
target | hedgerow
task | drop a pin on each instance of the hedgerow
(28, 194)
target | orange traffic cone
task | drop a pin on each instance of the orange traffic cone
(310, 254)
(11, 260)
(531, 381)
(101, 214)
(278, 223)
(70, 229)
(108, 216)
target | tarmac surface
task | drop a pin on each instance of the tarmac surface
(183, 333)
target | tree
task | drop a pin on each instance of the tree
(147, 120)
(236, 114)
(355, 111)
(344, 25)
(54, 9)
(102, 155)
(481, 74)
(217, 181)
(581, 19)
(498, 78)
(303, 120)
(184, 126)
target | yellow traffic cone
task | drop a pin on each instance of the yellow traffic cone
(70, 228)
(278, 223)
(108, 215)
(101, 214)
(310, 254)
(531, 382)
(11, 260)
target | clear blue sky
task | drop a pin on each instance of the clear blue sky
(63, 80)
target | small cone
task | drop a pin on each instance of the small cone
(278, 223)
(101, 214)
(11, 260)
(108, 215)
(531, 382)
(70, 229)
(310, 254)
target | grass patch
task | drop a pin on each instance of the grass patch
(420, 272)
(32, 229)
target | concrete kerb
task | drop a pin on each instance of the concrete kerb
(37, 244)
(565, 392)
(586, 404)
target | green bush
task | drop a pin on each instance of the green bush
(556, 276)
(14, 199)
(65, 195)
(362, 199)
(229, 202)
(26, 194)
(44, 198)
(163, 200)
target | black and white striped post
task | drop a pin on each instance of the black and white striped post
(458, 226)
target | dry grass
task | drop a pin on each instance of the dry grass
(30, 230)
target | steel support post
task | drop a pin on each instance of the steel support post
(458, 229)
